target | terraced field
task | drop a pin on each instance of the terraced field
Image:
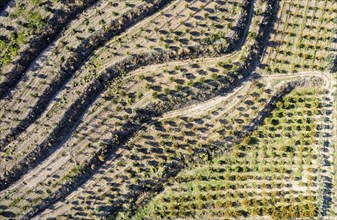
(165, 109)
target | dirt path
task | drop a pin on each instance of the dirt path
(201, 107)
(325, 76)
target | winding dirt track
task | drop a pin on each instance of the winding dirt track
(202, 107)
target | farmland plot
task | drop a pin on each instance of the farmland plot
(167, 109)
